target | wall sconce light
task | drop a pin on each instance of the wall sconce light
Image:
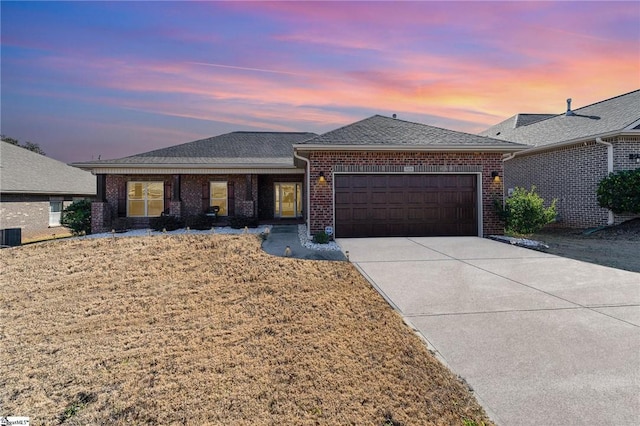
(322, 179)
(496, 176)
(635, 157)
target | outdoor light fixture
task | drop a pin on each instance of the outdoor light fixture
(322, 179)
(635, 157)
(496, 176)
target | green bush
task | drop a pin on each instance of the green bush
(620, 192)
(321, 238)
(121, 224)
(239, 222)
(170, 223)
(77, 217)
(524, 212)
(200, 222)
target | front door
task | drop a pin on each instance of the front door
(288, 199)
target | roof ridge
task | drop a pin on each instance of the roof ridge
(605, 100)
(262, 132)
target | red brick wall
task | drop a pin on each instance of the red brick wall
(321, 213)
(571, 175)
(191, 188)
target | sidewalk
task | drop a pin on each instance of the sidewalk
(283, 236)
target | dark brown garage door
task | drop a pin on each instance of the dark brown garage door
(405, 205)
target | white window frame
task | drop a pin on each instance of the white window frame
(55, 217)
(145, 193)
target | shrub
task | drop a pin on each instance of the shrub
(77, 217)
(239, 222)
(524, 212)
(200, 222)
(170, 223)
(121, 224)
(321, 238)
(620, 192)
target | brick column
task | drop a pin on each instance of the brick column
(175, 208)
(100, 217)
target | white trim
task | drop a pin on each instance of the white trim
(633, 125)
(479, 183)
(577, 141)
(411, 148)
(307, 189)
(199, 171)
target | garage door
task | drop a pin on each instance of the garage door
(405, 205)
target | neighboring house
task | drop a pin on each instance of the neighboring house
(571, 152)
(34, 189)
(377, 177)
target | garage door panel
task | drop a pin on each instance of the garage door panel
(360, 214)
(405, 205)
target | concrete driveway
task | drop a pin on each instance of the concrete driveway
(541, 339)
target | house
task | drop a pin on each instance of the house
(570, 153)
(34, 189)
(240, 173)
(377, 177)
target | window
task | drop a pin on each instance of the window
(145, 199)
(288, 200)
(218, 197)
(55, 212)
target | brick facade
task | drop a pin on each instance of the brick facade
(322, 209)
(243, 196)
(30, 213)
(571, 175)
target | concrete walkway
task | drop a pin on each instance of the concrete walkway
(283, 236)
(541, 339)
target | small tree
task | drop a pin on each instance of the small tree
(77, 217)
(620, 192)
(524, 212)
(27, 145)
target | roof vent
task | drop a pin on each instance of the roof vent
(569, 112)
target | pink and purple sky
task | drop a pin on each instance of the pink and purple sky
(84, 79)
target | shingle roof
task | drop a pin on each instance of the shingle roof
(26, 172)
(379, 130)
(237, 148)
(610, 115)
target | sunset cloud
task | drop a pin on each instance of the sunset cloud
(163, 73)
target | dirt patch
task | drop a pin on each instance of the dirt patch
(615, 246)
(208, 329)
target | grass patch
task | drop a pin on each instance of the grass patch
(208, 329)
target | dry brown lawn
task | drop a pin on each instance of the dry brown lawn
(208, 329)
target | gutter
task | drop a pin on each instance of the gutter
(412, 148)
(609, 146)
(308, 191)
(531, 149)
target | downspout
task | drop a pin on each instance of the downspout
(609, 146)
(308, 190)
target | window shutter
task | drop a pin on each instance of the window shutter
(167, 196)
(122, 199)
(205, 197)
(231, 197)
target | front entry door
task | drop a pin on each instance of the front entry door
(288, 199)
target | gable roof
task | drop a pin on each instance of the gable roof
(611, 115)
(379, 132)
(26, 172)
(231, 150)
